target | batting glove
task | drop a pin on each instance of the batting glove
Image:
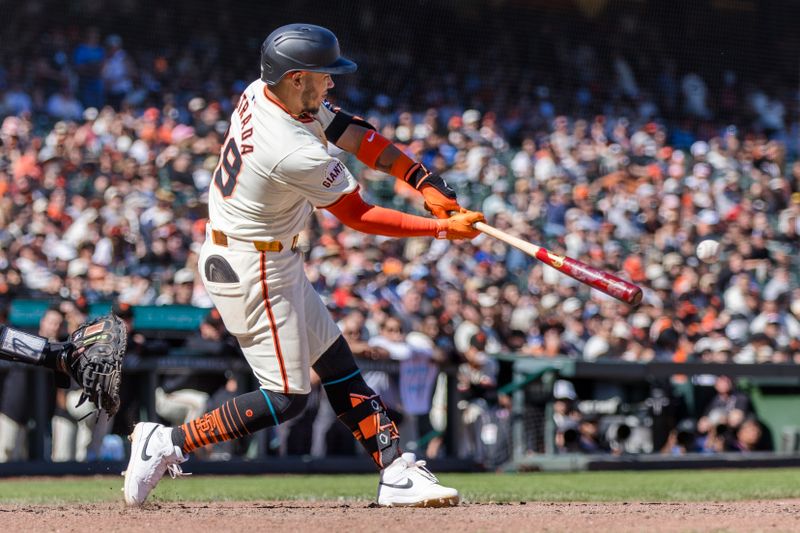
(459, 226)
(440, 199)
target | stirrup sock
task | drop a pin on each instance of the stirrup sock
(238, 417)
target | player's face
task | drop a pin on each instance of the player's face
(315, 90)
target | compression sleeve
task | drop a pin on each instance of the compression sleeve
(354, 212)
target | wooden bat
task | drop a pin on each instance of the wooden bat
(606, 282)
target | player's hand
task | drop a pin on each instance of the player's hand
(438, 203)
(440, 199)
(459, 226)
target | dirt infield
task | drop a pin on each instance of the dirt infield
(330, 516)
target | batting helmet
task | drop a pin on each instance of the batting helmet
(301, 47)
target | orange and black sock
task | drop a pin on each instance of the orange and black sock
(238, 417)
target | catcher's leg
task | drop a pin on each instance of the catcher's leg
(404, 480)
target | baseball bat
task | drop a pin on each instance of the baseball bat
(605, 282)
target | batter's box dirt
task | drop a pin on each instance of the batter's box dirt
(334, 516)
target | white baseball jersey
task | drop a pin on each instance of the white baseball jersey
(274, 170)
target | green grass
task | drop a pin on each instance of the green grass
(684, 485)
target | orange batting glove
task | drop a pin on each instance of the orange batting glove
(459, 226)
(439, 204)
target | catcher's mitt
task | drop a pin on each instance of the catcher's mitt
(93, 357)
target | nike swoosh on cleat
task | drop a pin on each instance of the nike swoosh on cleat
(146, 457)
(408, 484)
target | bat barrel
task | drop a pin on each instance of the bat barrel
(606, 282)
(603, 281)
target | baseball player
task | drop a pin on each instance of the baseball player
(274, 171)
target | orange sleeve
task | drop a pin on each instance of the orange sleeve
(354, 212)
(373, 144)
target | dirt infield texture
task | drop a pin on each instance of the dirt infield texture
(331, 516)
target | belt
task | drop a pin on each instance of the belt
(220, 239)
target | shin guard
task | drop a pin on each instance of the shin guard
(372, 427)
(357, 405)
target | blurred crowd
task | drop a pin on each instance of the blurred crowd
(107, 153)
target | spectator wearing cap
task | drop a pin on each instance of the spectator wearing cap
(182, 289)
(565, 412)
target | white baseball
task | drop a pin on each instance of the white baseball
(707, 251)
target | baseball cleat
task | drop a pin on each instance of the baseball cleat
(152, 455)
(407, 483)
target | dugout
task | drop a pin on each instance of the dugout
(653, 396)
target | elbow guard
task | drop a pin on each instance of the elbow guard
(340, 123)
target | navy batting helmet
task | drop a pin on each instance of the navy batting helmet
(301, 47)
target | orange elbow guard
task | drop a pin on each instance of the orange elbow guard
(371, 147)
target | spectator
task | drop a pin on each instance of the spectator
(389, 345)
(729, 407)
(418, 375)
(477, 387)
(749, 437)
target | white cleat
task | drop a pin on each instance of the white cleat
(407, 483)
(152, 455)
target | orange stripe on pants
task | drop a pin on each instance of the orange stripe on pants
(273, 326)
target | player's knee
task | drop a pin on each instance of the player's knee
(283, 407)
(297, 402)
(336, 363)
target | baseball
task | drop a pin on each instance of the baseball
(707, 251)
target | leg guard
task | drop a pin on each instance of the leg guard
(357, 405)
(372, 427)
